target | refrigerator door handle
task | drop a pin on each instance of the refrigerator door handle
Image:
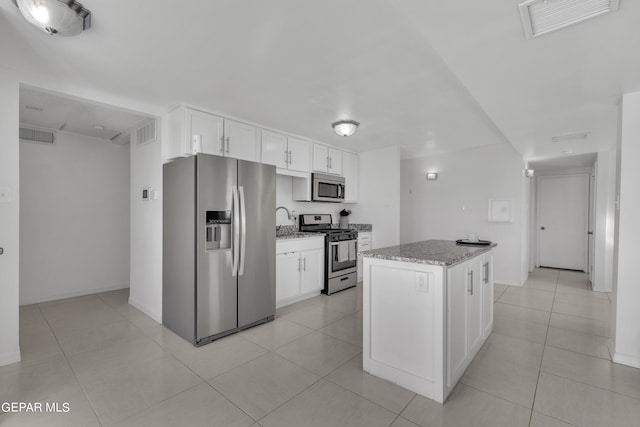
(236, 231)
(243, 233)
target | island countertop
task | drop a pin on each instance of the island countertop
(435, 252)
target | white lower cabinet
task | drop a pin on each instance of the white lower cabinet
(299, 269)
(487, 294)
(364, 244)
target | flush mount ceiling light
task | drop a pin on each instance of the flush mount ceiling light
(543, 16)
(61, 17)
(345, 127)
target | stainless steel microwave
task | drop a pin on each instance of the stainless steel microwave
(327, 188)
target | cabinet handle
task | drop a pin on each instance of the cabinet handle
(286, 157)
(486, 272)
(227, 145)
(330, 163)
(290, 156)
(299, 264)
(470, 290)
(327, 162)
(222, 144)
(304, 264)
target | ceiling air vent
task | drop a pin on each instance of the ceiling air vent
(42, 136)
(543, 16)
(570, 136)
(146, 133)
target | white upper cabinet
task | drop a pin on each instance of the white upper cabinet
(241, 141)
(327, 160)
(285, 152)
(350, 173)
(192, 131)
(274, 149)
(187, 126)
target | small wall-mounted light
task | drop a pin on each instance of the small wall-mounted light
(529, 173)
(432, 176)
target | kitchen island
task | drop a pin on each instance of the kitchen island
(427, 310)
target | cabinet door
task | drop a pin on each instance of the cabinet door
(210, 129)
(335, 161)
(457, 323)
(299, 155)
(241, 141)
(287, 275)
(474, 282)
(312, 270)
(350, 173)
(487, 294)
(320, 158)
(274, 149)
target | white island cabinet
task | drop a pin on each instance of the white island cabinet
(427, 310)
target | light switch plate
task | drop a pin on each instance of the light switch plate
(5, 195)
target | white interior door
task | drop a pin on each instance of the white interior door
(563, 212)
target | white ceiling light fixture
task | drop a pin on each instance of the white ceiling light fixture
(543, 16)
(61, 17)
(345, 127)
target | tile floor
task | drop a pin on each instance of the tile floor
(546, 364)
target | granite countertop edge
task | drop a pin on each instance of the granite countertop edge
(444, 253)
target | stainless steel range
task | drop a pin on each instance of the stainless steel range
(341, 252)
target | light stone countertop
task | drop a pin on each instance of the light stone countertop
(435, 252)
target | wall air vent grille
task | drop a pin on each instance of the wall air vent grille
(147, 133)
(41, 136)
(543, 16)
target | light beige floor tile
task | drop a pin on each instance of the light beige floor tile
(115, 299)
(77, 341)
(403, 422)
(580, 324)
(527, 297)
(274, 335)
(512, 350)
(136, 317)
(597, 311)
(540, 284)
(260, 386)
(584, 405)
(51, 380)
(315, 316)
(345, 301)
(38, 347)
(522, 313)
(32, 322)
(510, 381)
(581, 299)
(318, 352)
(539, 420)
(219, 356)
(545, 273)
(517, 328)
(353, 378)
(297, 306)
(592, 345)
(592, 370)
(467, 406)
(90, 297)
(347, 329)
(499, 288)
(198, 406)
(29, 307)
(129, 377)
(324, 405)
(79, 314)
(79, 414)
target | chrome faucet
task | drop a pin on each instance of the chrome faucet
(290, 215)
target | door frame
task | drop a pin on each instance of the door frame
(585, 175)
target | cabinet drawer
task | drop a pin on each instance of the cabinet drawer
(364, 247)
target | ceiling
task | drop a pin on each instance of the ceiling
(423, 75)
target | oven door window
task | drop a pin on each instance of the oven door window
(337, 265)
(331, 191)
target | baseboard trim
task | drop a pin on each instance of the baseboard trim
(10, 357)
(625, 359)
(66, 295)
(146, 310)
(508, 284)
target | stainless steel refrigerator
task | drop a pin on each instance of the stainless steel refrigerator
(218, 246)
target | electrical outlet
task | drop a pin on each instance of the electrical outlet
(422, 283)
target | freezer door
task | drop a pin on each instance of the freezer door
(216, 286)
(257, 269)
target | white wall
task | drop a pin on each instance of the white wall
(457, 203)
(626, 341)
(9, 218)
(379, 195)
(74, 218)
(146, 227)
(605, 218)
